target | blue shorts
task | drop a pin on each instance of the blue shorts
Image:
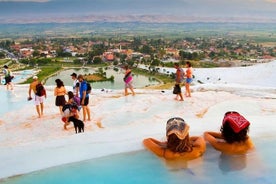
(189, 80)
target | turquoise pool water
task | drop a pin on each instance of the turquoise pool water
(144, 167)
(139, 81)
(12, 100)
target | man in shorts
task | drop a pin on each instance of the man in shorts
(39, 100)
(75, 84)
(178, 81)
(84, 98)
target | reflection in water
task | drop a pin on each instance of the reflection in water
(228, 163)
(139, 81)
(176, 164)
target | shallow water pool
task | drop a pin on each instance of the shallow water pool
(139, 81)
(144, 167)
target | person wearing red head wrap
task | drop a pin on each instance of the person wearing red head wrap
(233, 137)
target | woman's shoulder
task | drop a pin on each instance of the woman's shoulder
(236, 147)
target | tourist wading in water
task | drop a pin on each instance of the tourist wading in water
(179, 144)
(233, 136)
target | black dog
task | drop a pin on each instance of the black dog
(78, 124)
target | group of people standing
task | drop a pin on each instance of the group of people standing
(180, 76)
(79, 95)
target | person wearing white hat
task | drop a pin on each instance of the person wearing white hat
(39, 97)
(178, 144)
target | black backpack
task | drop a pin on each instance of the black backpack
(69, 106)
(89, 88)
(66, 106)
(40, 90)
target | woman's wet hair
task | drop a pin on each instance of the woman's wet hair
(230, 136)
(177, 145)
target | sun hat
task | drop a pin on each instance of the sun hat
(236, 121)
(178, 127)
(35, 77)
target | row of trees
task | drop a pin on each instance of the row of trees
(223, 48)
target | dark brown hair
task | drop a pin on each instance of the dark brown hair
(177, 145)
(59, 83)
(230, 136)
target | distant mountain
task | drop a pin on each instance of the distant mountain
(138, 10)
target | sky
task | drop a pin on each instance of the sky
(246, 9)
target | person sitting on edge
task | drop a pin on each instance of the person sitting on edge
(178, 144)
(233, 138)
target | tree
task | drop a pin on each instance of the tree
(2, 55)
(146, 49)
(155, 62)
(36, 53)
(212, 54)
(97, 60)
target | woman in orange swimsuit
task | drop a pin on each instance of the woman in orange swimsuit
(178, 144)
(233, 138)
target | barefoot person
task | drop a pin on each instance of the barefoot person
(178, 81)
(8, 77)
(40, 95)
(59, 93)
(233, 136)
(178, 144)
(84, 98)
(189, 78)
(128, 81)
(75, 84)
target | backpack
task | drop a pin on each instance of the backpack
(40, 90)
(69, 106)
(89, 88)
(66, 106)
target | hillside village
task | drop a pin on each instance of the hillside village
(145, 50)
